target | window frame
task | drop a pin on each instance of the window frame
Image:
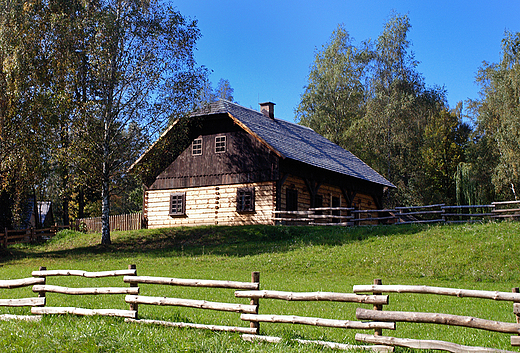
(177, 196)
(196, 142)
(220, 144)
(242, 193)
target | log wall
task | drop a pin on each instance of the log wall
(211, 205)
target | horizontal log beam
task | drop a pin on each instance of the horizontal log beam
(190, 282)
(468, 214)
(314, 296)
(314, 321)
(417, 213)
(331, 345)
(436, 318)
(424, 344)
(515, 341)
(8, 317)
(23, 282)
(84, 273)
(191, 303)
(470, 293)
(247, 330)
(23, 302)
(83, 312)
(421, 221)
(86, 291)
(418, 207)
(467, 207)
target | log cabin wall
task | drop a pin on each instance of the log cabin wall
(210, 205)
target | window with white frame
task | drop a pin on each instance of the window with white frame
(196, 147)
(220, 144)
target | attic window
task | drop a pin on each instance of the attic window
(246, 200)
(196, 147)
(178, 204)
(220, 144)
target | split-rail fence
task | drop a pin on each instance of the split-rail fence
(373, 319)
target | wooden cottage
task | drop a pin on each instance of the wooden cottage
(230, 165)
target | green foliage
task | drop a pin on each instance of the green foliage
(372, 101)
(334, 98)
(498, 113)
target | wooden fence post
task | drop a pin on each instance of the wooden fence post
(517, 290)
(255, 278)
(42, 294)
(134, 284)
(379, 307)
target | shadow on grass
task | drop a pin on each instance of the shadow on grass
(194, 241)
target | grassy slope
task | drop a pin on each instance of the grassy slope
(289, 258)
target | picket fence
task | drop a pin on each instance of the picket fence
(376, 319)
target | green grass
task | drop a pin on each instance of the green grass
(476, 256)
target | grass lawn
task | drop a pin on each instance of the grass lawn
(470, 256)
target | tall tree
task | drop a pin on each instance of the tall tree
(224, 90)
(140, 57)
(445, 140)
(498, 114)
(334, 98)
(398, 108)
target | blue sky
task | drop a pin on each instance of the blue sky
(265, 48)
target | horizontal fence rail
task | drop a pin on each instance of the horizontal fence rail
(438, 213)
(376, 295)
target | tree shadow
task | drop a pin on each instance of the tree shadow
(216, 240)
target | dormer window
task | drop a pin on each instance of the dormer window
(196, 147)
(220, 144)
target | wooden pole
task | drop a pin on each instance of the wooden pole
(134, 306)
(379, 307)
(255, 278)
(42, 294)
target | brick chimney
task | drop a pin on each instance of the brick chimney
(267, 109)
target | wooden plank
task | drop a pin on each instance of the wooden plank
(373, 211)
(86, 291)
(505, 202)
(424, 344)
(314, 296)
(23, 282)
(36, 301)
(421, 221)
(191, 303)
(470, 293)
(192, 325)
(436, 318)
(190, 282)
(83, 273)
(417, 213)
(83, 312)
(374, 219)
(468, 214)
(314, 321)
(515, 341)
(467, 206)
(331, 345)
(418, 207)
(8, 317)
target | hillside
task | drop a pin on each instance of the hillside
(476, 256)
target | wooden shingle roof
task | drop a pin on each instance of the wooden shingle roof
(296, 142)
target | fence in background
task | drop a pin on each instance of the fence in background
(133, 221)
(30, 235)
(439, 213)
(375, 319)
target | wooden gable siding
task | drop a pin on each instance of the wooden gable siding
(210, 205)
(245, 160)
